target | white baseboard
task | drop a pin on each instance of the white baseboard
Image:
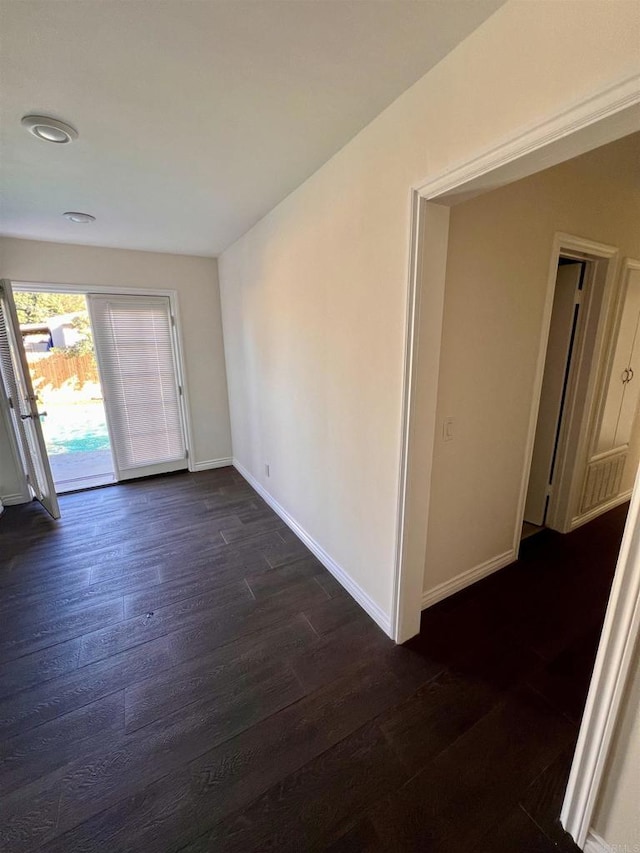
(447, 588)
(211, 463)
(18, 498)
(353, 588)
(579, 520)
(596, 844)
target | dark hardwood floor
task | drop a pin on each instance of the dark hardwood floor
(178, 672)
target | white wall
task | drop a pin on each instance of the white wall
(500, 246)
(196, 282)
(314, 295)
(617, 815)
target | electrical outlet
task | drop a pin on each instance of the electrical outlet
(267, 469)
(447, 429)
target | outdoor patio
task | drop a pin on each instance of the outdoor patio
(81, 469)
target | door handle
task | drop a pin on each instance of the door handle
(625, 376)
(631, 372)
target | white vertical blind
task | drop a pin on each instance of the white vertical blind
(19, 407)
(134, 344)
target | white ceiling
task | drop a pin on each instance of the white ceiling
(196, 118)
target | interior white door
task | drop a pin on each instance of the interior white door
(25, 418)
(632, 384)
(555, 368)
(621, 399)
(135, 352)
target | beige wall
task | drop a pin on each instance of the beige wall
(500, 246)
(617, 814)
(314, 295)
(196, 282)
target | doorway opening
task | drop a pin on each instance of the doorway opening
(565, 317)
(592, 457)
(58, 341)
(125, 342)
(576, 471)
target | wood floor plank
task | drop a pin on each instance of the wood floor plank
(38, 667)
(361, 838)
(30, 637)
(252, 528)
(565, 680)
(343, 650)
(163, 693)
(35, 754)
(481, 775)
(30, 708)
(310, 808)
(281, 551)
(126, 582)
(28, 817)
(195, 579)
(101, 778)
(240, 769)
(58, 602)
(328, 616)
(229, 617)
(24, 593)
(164, 620)
(515, 833)
(264, 583)
(542, 801)
(165, 745)
(332, 587)
(435, 716)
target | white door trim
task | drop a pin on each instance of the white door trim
(568, 482)
(172, 295)
(430, 229)
(610, 677)
(486, 170)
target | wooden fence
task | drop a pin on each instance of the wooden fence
(57, 368)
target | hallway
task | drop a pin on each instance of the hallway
(178, 672)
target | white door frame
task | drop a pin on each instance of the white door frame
(577, 422)
(610, 677)
(172, 295)
(608, 115)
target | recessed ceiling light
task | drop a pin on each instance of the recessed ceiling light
(49, 129)
(75, 216)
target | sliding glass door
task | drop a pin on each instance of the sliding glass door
(135, 350)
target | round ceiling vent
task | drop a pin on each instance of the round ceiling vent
(76, 216)
(49, 129)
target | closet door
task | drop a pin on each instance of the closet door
(629, 403)
(624, 381)
(135, 351)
